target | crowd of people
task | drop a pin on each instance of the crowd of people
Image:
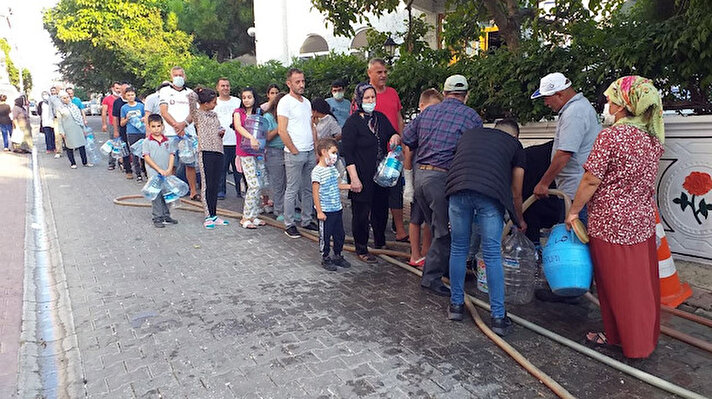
(462, 180)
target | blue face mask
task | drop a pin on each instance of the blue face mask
(368, 107)
(178, 81)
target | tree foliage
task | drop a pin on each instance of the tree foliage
(12, 71)
(105, 40)
(219, 27)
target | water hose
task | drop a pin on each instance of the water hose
(622, 367)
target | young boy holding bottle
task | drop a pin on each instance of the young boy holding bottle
(159, 161)
(327, 201)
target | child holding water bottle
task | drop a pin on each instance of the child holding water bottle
(159, 161)
(327, 201)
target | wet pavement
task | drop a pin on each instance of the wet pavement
(182, 312)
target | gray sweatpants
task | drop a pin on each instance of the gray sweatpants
(298, 170)
(430, 197)
(274, 162)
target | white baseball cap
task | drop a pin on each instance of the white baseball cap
(455, 83)
(550, 84)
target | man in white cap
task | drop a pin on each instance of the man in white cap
(433, 134)
(576, 130)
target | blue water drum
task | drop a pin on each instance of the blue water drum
(567, 263)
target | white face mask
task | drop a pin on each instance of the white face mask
(368, 107)
(45, 97)
(331, 161)
(339, 95)
(178, 81)
(609, 118)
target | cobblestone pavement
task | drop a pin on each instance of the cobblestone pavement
(182, 312)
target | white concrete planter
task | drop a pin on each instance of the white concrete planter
(688, 149)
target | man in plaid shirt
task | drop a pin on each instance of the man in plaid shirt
(433, 136)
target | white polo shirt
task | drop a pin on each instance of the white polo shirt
(225, 109)
(178, 106)
(299, 114)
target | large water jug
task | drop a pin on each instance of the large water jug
(107, 148)
(390, 168)
(92, 153)
(186, 151)
(153, 187)
(519, 260)
(256, 125)
(137, 123)
(172, 184)
(119, 149)
(137, 148)
(567, 263)
(261, 171)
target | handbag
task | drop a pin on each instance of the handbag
(17, 135)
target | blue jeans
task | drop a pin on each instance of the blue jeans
(6, 133)
(465, 208)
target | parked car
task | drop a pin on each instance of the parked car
(92, 107)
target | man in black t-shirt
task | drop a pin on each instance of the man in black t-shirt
(484, 180)
(545, 212)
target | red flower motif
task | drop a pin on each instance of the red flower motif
(698, 183)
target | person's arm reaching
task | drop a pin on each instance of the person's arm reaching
(104, 109)
(315, 194)
(561, 158)
(517, 181)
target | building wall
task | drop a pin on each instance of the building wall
(283, 25)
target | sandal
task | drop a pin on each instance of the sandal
(247, 224)
(596, 339)
(404, 239)
(196, 197)
(368, 258)
(418, 263)
(258, 222)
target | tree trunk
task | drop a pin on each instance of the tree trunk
(506, 17)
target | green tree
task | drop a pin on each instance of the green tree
(105, 40)
(12, 71)
(219, 27)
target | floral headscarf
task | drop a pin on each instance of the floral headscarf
(642, 100)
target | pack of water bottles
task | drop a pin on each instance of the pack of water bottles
(92, 152)
(257, 126)
(115, 148)
(137, 148)
(390, 168)
(171, 187)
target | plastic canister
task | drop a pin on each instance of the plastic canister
(567, 263)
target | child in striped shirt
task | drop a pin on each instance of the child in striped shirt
(327, 200)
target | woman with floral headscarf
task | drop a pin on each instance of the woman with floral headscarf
(365, 138)
(70, 127)
(619, 187)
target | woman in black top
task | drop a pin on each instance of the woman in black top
(365, 138)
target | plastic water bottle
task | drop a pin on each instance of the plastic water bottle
(186, 153)
(261, 172)
(390, 168)
(108, 148)
(137, 123)
(519, 259)
(176, 186)
(119, 149)
(257, 127)
(153, 187)
(137, 148)
(92, 153)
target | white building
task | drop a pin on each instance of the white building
(285, 29)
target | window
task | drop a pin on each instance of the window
(314, 44)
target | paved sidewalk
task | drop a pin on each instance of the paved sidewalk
(14, 176)
(182, 312)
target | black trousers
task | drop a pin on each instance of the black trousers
(332, 227)
(49, 138)
(82, 154)
(373, 214)
(229, 161)
(212, 167)
(126, 161)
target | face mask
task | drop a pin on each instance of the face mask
(609, 118)
(45, 97)
(115, 93)
(339, 95)
(178, 81)
(331, 161)
(368, 107)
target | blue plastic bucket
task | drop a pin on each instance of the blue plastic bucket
(567, 263)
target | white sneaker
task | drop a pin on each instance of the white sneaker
(57, 156)
(73, 166)
(89, 165)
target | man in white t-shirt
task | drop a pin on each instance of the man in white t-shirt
(225, 107)
(174, 106)
(295, 127)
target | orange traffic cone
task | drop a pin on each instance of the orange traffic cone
(672, 292)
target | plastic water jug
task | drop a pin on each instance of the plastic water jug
(92, 153)
(107, 148)
(390, 168)
(519, 260)
(567, 263)
(176, 186)
(256, 125)
(119, 149)
(186, 152)
(261, 172)
(153, 187)
(137, 148)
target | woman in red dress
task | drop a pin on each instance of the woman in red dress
(619, 187)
